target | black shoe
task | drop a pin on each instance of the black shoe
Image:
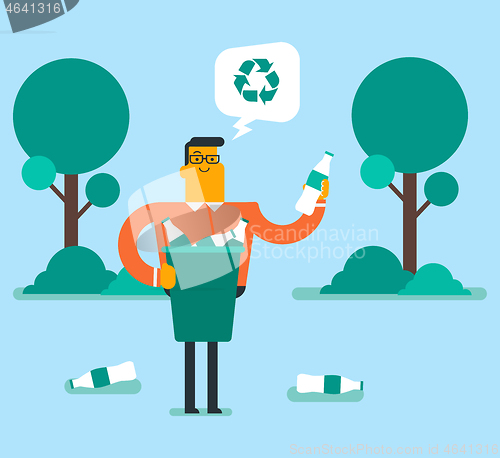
(216, 410)
(191, 411)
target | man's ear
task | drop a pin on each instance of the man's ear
(182, 171)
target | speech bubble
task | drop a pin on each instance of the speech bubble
(258, 82)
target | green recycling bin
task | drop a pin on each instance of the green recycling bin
(204, 295)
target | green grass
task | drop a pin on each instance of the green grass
(18, 294)
(179, 412)
(351, 396)
(313, 294)
(130, 387)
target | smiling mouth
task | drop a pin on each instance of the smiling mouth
(203, 170)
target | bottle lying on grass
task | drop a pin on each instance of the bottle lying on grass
(328, 384)
(105, 376)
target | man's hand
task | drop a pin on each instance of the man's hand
(325, 189)
(167, 276)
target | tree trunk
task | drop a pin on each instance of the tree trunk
(410, 222)
(70, 210)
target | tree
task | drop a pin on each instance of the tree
(71, 116)
(409, 116)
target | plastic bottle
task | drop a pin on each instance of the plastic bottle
(329, 384)
(105, 376)
(175, 236)
(238, 234)
(239, 230)
(312, 190)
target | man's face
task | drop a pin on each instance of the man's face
(204, 158)
(204, 175)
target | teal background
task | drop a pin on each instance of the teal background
(430, 368)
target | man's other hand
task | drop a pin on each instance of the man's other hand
(325, 189)
(167, 276)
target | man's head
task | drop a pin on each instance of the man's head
(203, 171)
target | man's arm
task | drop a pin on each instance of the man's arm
(290, 233)
(127, 245)
(127, 248)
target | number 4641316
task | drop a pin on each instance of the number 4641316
(472, 450)
(33, 8)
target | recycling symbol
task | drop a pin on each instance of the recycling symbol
(252, 95)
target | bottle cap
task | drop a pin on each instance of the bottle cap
(329, 154)
(361, 385)
(245, 220)
(165, 220)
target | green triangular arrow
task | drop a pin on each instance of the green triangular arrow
(273, 79)
(264, 65)
(240, 82)
(246, 67)
(250, 95)
(267, 96)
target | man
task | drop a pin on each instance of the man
(205, 213)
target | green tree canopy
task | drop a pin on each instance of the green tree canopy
(102, 190)
(377, 171)
(71, 116)
(411, 110)
(74, 113)
(441, 189)
(39, 173)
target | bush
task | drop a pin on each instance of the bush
(73, 270)
(434, 279)
(370, 270)
(126, 285)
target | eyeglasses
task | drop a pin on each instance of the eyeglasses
(199, 158)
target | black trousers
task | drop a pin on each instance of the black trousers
(212, 382)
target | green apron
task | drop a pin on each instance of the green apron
(204, 295)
